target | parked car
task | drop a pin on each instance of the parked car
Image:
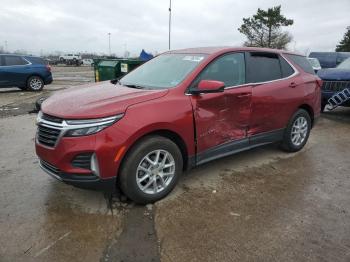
(335, 80)
(314, 63)
(177, 111)
(26, 72)
(69, 57)
(330, 59)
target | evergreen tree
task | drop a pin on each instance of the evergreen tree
(344, 44)
(264, 29)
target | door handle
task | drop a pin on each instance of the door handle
(292, 85)
(243, 95)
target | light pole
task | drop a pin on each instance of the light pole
(109, 43)
(169, 23)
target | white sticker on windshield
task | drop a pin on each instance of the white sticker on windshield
(193, 58)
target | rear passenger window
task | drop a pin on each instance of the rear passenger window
(14, 60)
(287, 70)
(302, 62)
(229, 69)
(263, 67)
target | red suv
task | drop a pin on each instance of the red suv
(179, 110)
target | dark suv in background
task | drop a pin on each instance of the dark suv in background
(25, 72)
(330, 59)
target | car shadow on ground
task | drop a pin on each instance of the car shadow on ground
(11, 90)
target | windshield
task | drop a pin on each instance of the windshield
(345, 64)
(163, 72)
(314, 62)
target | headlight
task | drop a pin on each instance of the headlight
(86, 127)
(85, 131)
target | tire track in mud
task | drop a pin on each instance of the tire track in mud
(138, 241)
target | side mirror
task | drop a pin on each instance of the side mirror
(209, 86)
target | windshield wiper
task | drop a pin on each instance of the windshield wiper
(115, 81)
(133, 86)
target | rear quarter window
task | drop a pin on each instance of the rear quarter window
(36, 60)
(302, 62)
(287, 70)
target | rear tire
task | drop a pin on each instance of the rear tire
(297, 131)
(151, 169)
(35, 83)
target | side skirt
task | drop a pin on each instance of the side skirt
(240, 145)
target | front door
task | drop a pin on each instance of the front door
(222, 119)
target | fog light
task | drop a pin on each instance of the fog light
(94, 165)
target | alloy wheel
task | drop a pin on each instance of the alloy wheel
(299, 131)
(155, 171)
(35, 83)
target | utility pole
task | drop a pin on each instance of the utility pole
(169, 23)
(6, 46)
(109, 43)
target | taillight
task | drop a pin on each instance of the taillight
(48, 67)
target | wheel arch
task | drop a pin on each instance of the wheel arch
(167, 133)
(310, 111)
(34, 74)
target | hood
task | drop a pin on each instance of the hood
(96, 100)
(335, 74)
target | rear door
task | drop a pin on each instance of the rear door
(14, 70)
(275, 93)
(222, 118)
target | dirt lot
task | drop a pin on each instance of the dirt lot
(261, 205)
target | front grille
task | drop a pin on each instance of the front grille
(335, 86)
(52, 118)
(48, 135)
(50, 167)
(82, 161)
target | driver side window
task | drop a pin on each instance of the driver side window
(229, 69)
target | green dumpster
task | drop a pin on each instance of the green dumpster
(108, 69)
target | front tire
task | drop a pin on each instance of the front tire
(151, 169)
(35, 83)
(297, 131)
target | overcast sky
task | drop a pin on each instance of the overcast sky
(83, 25)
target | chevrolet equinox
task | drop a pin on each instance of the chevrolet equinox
(179, 110)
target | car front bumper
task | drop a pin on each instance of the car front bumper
(326, 94)
(57, 161)
(81, 181)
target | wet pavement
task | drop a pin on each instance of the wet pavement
(260, 205)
